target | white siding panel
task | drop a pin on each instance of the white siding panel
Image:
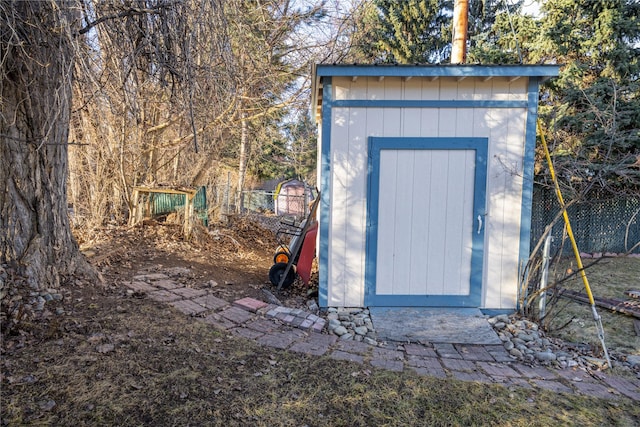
(356, 206)
(495, 189)
(338, 217)
(403, 208)
(341, 88)
(386, 221)
(513, 206)
(502, 89)
(447, 124)
(505, 197)
(411, 90)
(456, 215)
(417, 251)
(438, 188)
(448, 89)
(375, 89)
(518, 89)
(430, 117)
(465, 89)
(465, 122)
(483, 89)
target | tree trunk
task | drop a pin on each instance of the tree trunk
(244, 149)
(37, 69)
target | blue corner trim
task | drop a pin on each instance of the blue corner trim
(527, 179)
(325, 196)
(376, 144)
(435, 103)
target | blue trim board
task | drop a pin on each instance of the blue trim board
(527, 175)
(543, 71)
(376, 145)
(435, 103)
(325, 196)
(422, 301)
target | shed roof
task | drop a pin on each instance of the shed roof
(408, 71)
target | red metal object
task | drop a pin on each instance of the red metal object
(300, 252)
(307, 253)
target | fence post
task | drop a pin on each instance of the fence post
(545, 276)
(304, 202)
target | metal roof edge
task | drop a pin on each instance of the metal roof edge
(427, 70)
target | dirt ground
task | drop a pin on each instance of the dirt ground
(231, 259)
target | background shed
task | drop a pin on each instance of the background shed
(292, 197)
(426, 176)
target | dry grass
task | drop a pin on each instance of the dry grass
(168, 369)
(607, 278)
(114, 359)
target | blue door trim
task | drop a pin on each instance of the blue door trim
(376, 145)
(429, 103)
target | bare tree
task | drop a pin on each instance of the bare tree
(37, 70)
(164, 87)
(42, 42)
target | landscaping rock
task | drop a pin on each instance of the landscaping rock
(340, 330)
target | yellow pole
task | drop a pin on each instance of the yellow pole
(574, 246)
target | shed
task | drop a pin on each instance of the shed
(426, 178)
(291, 197)
(165, 199)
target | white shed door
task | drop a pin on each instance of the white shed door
(426, 209)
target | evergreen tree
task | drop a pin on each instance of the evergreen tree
(593, 108)
(595, 103)
(417, 31)
(412, 31)
(507, 37)
(288, 152)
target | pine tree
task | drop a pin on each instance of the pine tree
(418, 31)
(411, 31)
(595, 104)
(500, 34)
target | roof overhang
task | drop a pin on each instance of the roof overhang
(408, 71)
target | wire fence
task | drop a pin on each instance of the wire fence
(600, 224)
(289, 205)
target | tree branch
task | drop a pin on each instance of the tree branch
(133, 11)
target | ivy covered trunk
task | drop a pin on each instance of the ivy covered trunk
(36, 243)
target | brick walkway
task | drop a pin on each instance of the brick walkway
(300, 331)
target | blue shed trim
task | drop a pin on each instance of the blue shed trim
(325, 196)
(528, 166)
(435, 103)
(376, 144)
(544, 71)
